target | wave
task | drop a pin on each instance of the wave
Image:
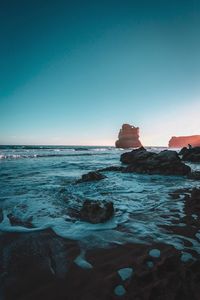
(17, 156)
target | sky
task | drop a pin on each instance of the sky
(72, 72)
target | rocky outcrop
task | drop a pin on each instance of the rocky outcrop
(195, 175)
(96, 211)
(191, 154)
(166, 162)
(128, 137)
(183, 141)
(91, 176)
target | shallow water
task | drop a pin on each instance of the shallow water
(39, 182)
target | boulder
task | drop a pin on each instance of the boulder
(166, 162)
(96, 211)
(136, 155)
(91, 176)
(183, 141)
(191, 154)
(34, 264)
(128, 137)
(194, 175)
(15, 221)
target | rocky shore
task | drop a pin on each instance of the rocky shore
(42, 265)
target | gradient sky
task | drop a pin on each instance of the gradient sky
(71, 72)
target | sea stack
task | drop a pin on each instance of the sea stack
(183, 141)
(128, 137)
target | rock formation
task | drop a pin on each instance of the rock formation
(183, 141)
(191, 154)
(96, 211)
(166, 162)
(128, 137)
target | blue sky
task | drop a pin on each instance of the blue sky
(71, 72)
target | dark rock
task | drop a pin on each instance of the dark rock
(183, 151)
(136, 155)
(1, 215)
(194, 175)
(15, 221)
(91, 176)
(191, 154)
(96, 211)
(112, 169)
(180, 192)
(128, 137)
(166, 162)
(34, 263)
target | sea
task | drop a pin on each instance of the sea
(39, 183)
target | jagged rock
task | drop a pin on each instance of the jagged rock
(166, 162)
(191, 154)
(194, 175)
(15, 221)
(136, 156)
(96, 211)
(91, 176)
(183, 141)
(128, 137)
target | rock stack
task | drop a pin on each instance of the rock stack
(128, 137)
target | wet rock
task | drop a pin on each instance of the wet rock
(137, 155)
(34, 264)
(128, 137)
(166, 162)
(112, 169)
(91, 176)
(183, 151)
(194, 175)
(15, 221)
(191, 154)
(180, 192)
(96, 211)
(1, 215)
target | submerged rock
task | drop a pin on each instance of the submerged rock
(96, 211)
(112, 169)
(91, 176)
(166, 162)
(128, 137)
(15, 221)
(191, 154)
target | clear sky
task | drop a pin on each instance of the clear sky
(71, 72)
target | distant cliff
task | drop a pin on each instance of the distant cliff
(128, 137)
(183, 141)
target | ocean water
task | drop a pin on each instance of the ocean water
(39, 182)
